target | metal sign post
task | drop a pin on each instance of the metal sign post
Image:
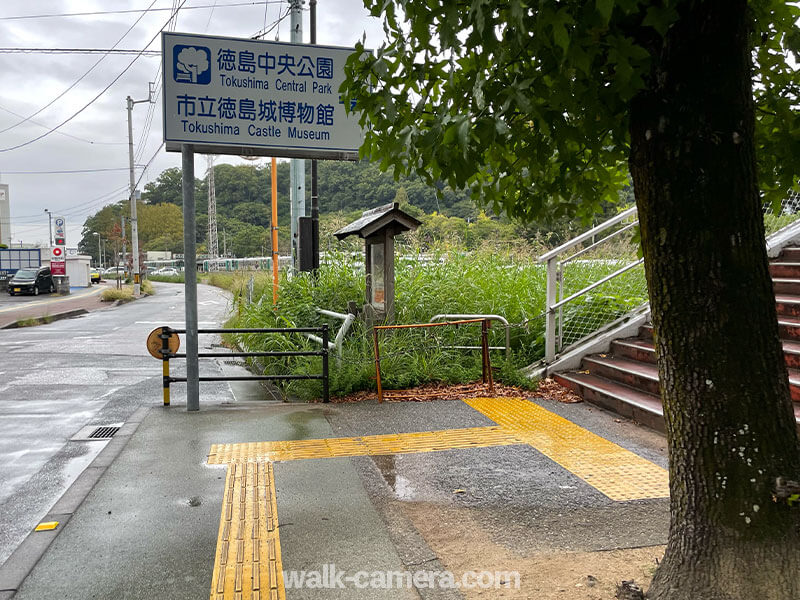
(190, 279)
(252, 98)
(58, 259)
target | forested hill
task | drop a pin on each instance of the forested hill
(343, 187)
(345, 190)
(244, 212)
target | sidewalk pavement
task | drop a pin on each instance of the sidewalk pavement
(80, 300)
(143, 521)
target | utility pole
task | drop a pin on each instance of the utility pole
(50, 222)
(213, 240)
(124, 242)
(134, 222)
(297, 172)
(314, 191)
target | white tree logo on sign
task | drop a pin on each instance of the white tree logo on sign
(191, 64)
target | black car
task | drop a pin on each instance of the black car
(32, 281)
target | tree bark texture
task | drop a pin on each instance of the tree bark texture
(730, 426)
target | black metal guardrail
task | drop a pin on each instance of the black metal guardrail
(167, 353)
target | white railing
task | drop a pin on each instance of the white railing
(585, 295)
(574, 315)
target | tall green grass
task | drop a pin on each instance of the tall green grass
(483, 282)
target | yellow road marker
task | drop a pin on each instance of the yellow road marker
(399, 443)
(48, 526)
(247, 563)
(616, 472)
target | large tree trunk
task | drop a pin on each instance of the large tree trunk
(730, 427)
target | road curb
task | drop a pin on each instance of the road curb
(43, 320)
(25, 557)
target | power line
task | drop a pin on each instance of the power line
(135, 10)
(271, 26)
(211, 14)
(142, 143)
(93, 100)
(77, 208)
(64, 172)
(69, 135)
(106, 51)
(81, 78)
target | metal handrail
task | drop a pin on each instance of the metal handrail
(554, 306)
(167, 354)
(597, 283)
(348, 319)
(588, 234)
(600, 241)
(503, 320)
(554, 274)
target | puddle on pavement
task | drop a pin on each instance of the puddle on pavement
(401, 486)
(298, 420)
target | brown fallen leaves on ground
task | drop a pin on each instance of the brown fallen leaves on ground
(549, 388)
(440, 391)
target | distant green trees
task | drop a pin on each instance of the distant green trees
(346, 189)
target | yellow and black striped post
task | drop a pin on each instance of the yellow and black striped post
(165, 354)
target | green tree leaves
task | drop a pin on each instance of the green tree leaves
(526, 104)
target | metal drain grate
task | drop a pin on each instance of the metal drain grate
(104, 432)
(96, 433)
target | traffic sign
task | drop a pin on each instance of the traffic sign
(155, 343)
(60, 233)
(58, 265)
(256, 98)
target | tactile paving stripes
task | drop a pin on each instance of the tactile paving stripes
(616, 472)
(248, 564)
(398, 443)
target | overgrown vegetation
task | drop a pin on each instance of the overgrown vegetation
(167, 278)
(486, 281)
(125, 292)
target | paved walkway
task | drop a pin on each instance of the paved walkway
(219, 503)
(16, 308)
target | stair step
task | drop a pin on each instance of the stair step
(790, 254)
(787, 305)
(783, 285)
(789, 328)
(788, 270)
(646, 331)
(616, 397)
(791, 353)
(794, 384)
(640, 375)
(634, 349)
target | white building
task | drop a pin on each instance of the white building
(5, 216)
(78, 269)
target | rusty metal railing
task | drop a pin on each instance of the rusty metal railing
(486, 366)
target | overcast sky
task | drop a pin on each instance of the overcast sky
(97, 137)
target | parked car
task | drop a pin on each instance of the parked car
(32, 281)
(95, 275)
(167, 272)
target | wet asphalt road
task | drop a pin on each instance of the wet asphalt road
(57, 378)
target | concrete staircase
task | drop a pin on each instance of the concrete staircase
(625, 380)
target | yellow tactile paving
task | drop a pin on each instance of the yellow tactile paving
(399, 443)
(247, 565)
(616, 472)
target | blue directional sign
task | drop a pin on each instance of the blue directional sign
(254, 97)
